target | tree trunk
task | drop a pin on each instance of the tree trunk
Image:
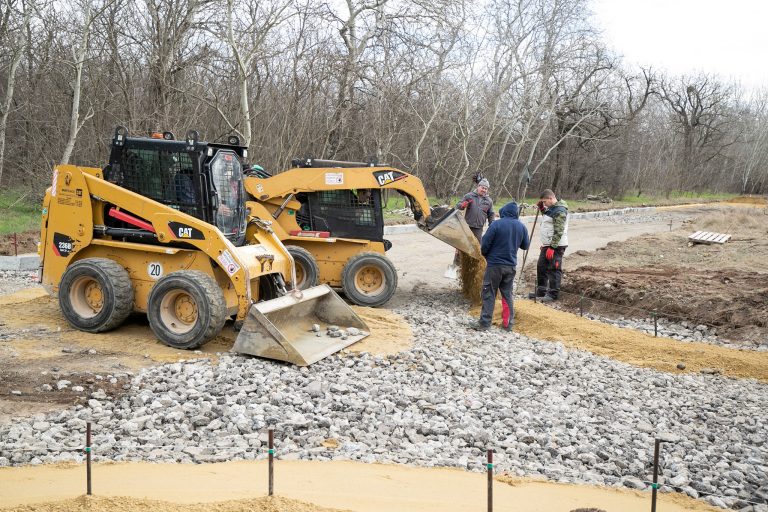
(8, 100)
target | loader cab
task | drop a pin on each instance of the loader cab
(343, 212)
(201, 179)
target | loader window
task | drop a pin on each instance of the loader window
(348, 213)
(168, 177)
(226, 175)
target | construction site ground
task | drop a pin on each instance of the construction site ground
(645, 264)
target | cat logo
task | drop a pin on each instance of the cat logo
(386, 177)
(179, 230)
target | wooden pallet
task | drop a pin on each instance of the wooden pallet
(706, 237)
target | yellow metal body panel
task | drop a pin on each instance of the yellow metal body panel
(272, 191)
(268, 195)
(75, 203)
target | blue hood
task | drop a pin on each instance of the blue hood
(509, 210)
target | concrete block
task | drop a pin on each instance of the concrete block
(21, 262)
(398, 229)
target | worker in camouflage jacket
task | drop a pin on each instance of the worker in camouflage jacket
(554, 241)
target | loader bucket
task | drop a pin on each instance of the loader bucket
(281, 328)
(453, 230)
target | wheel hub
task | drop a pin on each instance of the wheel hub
(94, 296)
(369, 279)
(186, 309)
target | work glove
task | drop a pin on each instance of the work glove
(549, 254)
(464, 204)
(540, 206)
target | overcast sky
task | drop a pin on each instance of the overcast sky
(727, 37)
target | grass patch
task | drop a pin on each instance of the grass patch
(19, 211)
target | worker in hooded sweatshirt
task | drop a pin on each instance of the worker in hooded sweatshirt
(500, 244)
(554, 242)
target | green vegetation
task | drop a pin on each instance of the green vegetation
(19, 211)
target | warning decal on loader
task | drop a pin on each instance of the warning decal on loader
(228, 262)
(183, 231)
(334, 178)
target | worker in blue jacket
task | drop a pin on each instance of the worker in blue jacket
(499, 246)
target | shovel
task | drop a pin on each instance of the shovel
(525, 255)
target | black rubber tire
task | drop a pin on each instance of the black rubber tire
(375, 297)
(116, 293)
(208, 298)
(308, 265)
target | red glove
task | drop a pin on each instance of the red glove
(464, 204)
(540, 206)
(549, 254)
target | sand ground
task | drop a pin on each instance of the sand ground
(337, 485)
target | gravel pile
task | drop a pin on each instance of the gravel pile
(568, 415)
(12, 281)
(637, 218)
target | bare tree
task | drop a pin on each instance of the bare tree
(13, 25)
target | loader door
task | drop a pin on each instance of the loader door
(226, 174)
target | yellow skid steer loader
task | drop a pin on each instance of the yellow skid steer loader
(329, 215)
(161, 231)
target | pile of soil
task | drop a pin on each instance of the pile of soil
(721, 285)
(25, 242)
(735, 302)
(390, 333)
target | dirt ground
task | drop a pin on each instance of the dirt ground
(643, 264)
(720, 285)
(25, 242)
(240, 486)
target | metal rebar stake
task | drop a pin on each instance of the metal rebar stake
(271, 461)
(655, 484)
(490, 480)
(88, 457)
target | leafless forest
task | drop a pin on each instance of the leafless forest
(524, 91)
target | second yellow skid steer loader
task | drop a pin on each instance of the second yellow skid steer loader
(161, 231)
(329, 215)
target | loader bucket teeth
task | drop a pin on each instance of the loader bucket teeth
(453, 230)
(281, 328)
